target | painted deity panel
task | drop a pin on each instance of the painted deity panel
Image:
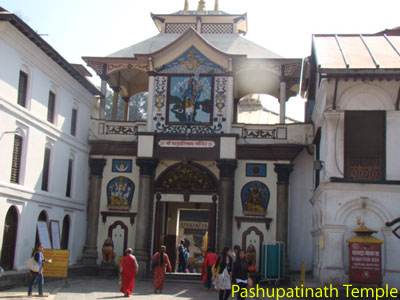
(255, 198)
(256, 170)
(190, 100)
(120, 192)
(192, 61)
(122, 165)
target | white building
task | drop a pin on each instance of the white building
(354, 83)
(45, 107)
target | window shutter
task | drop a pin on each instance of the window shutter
(73, 121)
(69, 178)
(365, 140)
(22, 88)
(51, 107)
(16, 159)
(46, 169)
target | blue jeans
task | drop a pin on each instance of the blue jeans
(39, 277)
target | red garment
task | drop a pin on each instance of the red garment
(129, 269)
(211, 259)
(160, 270)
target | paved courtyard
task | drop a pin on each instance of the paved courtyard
(88, 288)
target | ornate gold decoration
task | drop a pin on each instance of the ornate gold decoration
(192, 62)
(186, 177)
(202, 5)
(186, 6)
(364, 234)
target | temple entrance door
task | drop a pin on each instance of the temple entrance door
(188, 222)
(9, 239)
(186, 195)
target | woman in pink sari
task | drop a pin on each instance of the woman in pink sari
(128, 269)
(160, 266)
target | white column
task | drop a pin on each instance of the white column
(282, 99)
(229, 105)
(150, 104)
(102, 108)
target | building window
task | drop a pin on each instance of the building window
(69, 177)
(46, 169)
(22, 88)
(73, 121)
(16, 159)
(51, 107)
(365, 139)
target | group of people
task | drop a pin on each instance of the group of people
(222, 271)
(227, 269)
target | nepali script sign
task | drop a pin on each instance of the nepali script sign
(59, 265)
(186, 144)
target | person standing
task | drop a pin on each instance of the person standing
(39, 258)
(240, 273)
(210, 260)
(223, 274)
(181, 257)
(235, 253)
(128, 269)
(161, 266)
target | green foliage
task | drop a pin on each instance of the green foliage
(137, 107)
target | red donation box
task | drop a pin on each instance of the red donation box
(365, 257)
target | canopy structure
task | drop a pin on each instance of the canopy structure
(219, 36)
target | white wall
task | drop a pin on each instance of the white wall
(103, 227)
(336, 206)
(19, 53)
(300, 212)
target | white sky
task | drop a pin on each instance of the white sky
(100, 27)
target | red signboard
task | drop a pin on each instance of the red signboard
(365, 263)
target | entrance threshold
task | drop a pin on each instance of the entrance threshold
(184, 276)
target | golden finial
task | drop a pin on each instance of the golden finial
(202, 5)
(216, 6)
(186, 6)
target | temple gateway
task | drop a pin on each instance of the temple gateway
(210, 165)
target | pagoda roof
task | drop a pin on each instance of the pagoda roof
(233, 44)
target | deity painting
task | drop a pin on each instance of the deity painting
(256, 170)
(255, 198)
(190, 99)
(120, 193)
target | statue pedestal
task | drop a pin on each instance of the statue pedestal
(108, 269)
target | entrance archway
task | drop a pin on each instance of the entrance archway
(186, 180)
(9, 239)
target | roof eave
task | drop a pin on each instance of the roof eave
(35, 38)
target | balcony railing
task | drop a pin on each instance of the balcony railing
(295, 133)
(115, 130)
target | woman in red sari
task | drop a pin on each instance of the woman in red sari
(128, 269)
(161, 265)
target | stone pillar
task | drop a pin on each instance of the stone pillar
(150, 103)
(144, 219)
(282, 102)
(115, 104)
(225, 203)
(282, 198)
(102, 108)
(126, 108)
(96, 166)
